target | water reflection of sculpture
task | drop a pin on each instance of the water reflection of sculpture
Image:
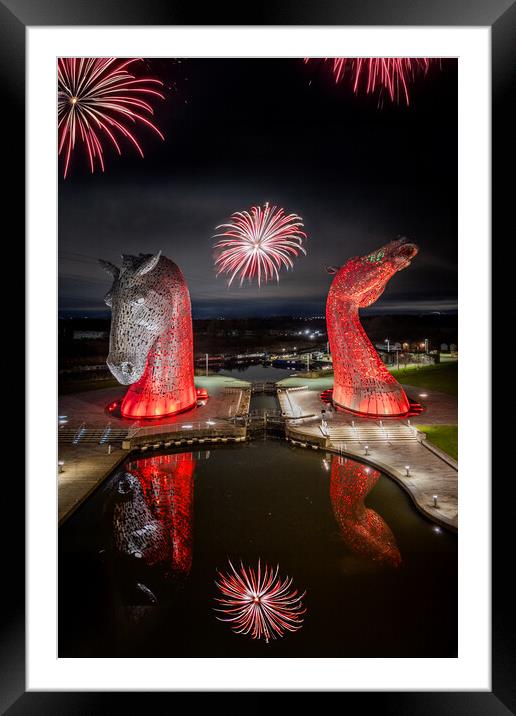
(151, 524)
(362, 382)
(167, 483)
(363, 530)
(151, 339)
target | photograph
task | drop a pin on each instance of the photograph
(258, 357)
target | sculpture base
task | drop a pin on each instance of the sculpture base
(415, 408)
(375, 416)
(143, 411)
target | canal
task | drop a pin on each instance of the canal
(138, 560)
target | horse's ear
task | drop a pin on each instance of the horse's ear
(110, 268)
(148, 264)
(332, 270)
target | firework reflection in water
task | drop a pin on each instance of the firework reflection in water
(259, 603)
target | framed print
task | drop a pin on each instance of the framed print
(256, 247)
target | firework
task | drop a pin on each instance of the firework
(259, 602)
(98, 99)
(389, 76)
(258, 244)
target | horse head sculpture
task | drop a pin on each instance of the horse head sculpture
(362, 382)
(151, 340)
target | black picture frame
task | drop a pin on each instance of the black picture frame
(500, 16)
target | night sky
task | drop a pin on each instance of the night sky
(242, 132)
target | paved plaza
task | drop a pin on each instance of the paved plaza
(90, 442)
(391, 445)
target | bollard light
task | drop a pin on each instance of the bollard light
(366, 447)
(60, 464)
(407, 470)
(435, 500)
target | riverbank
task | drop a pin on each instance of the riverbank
(396, 447)
(90, 442)
(87, 465)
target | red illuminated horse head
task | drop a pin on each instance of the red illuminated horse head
(362, 382)
(150, 343)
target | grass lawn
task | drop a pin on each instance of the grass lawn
(442, 377)
(444, 437)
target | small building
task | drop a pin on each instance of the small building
(89, 335)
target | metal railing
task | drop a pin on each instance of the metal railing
(213, 427)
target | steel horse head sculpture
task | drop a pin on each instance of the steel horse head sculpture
(151, 342)
(362, 383)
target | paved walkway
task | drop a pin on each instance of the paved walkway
(85, 467)
(87, 462)
(390, 446)
(90, 406)
(440, 408)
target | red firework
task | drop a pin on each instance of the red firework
(260, 603)
(259, 243)
(99, 99)
(385, 75)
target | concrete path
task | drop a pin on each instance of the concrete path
(85, 467)
(390, 447)
(439, 408)
(87, 463)
(90, 406)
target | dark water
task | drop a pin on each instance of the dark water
(138, 561)
(258, 373)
